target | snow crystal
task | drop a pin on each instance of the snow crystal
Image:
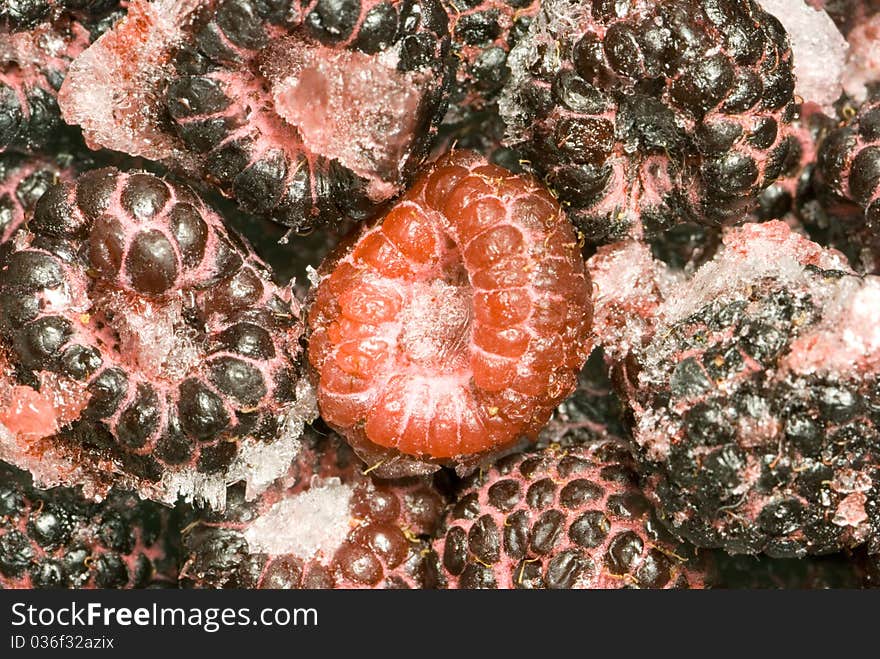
(818, 48)
(311, 524)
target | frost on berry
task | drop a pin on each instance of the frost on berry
(641, 115)
(300, 113)
(557, 517)
(754, 392)
(57, 539)
(323, 525)
(147, 346)
(454, 326)
(483, 32)
(819, 50)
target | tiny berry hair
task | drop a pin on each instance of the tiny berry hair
(455, 325)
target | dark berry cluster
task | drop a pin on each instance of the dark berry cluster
(57, 539)
(126, 297)
(644, 114)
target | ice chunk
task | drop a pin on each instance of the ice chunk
(358, 109)
(311, 524)
(863, 66)
(818, 48)
(113, 89)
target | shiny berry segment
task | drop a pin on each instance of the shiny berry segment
(323, 525)
(754, 391)
(148, 345)
(23, 180)
(640, 115)
(454, 326)
(56, 539)
(301, 113)
(559, 518)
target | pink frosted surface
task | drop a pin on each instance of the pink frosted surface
(111, 90)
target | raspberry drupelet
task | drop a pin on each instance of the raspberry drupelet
(454, 326)
(559, 517)
(642, 114)
(753, 386)
(323, 525)
(146, 345)
(57, 539)
(302, 112)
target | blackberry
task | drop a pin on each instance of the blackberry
(302, 115)
(558, 518)
(483, 32)
(324, 525)
(57, 539)
(753, 388)
(644, 114)
(453, 327)
(34, 59)
(23, 180)
(148, 345)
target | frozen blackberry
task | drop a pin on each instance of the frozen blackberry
(483, 32)
(640, 115)
(325, 525)
(34, 59)
(302, 114)
(57, 539)
(559, 518)
(149, 346)
(754, 391)
(28, 14)
(452, 328)
(23, 180)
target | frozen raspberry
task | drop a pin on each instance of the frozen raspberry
(559, 518)
(483, 32)
(454, 326)
(149, 346)
(302, 114)
(644, 114)
(754, 391)
(57, 539)
(325, 525)
(23, 180)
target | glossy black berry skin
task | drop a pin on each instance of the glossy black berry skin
(57, 539)
(640, 115)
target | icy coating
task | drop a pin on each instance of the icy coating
(112, 91)
(863, 65)
(819, 50)
(644, 115)
(755, 395)
(302, 114)
(455, 325)
(312, 523)
(324, 524)
(150, 347)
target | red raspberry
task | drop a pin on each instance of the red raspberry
(324, 525)
(455, 325)
(559, 518)
(149, 345)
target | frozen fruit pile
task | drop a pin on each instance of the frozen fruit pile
(440, 294)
